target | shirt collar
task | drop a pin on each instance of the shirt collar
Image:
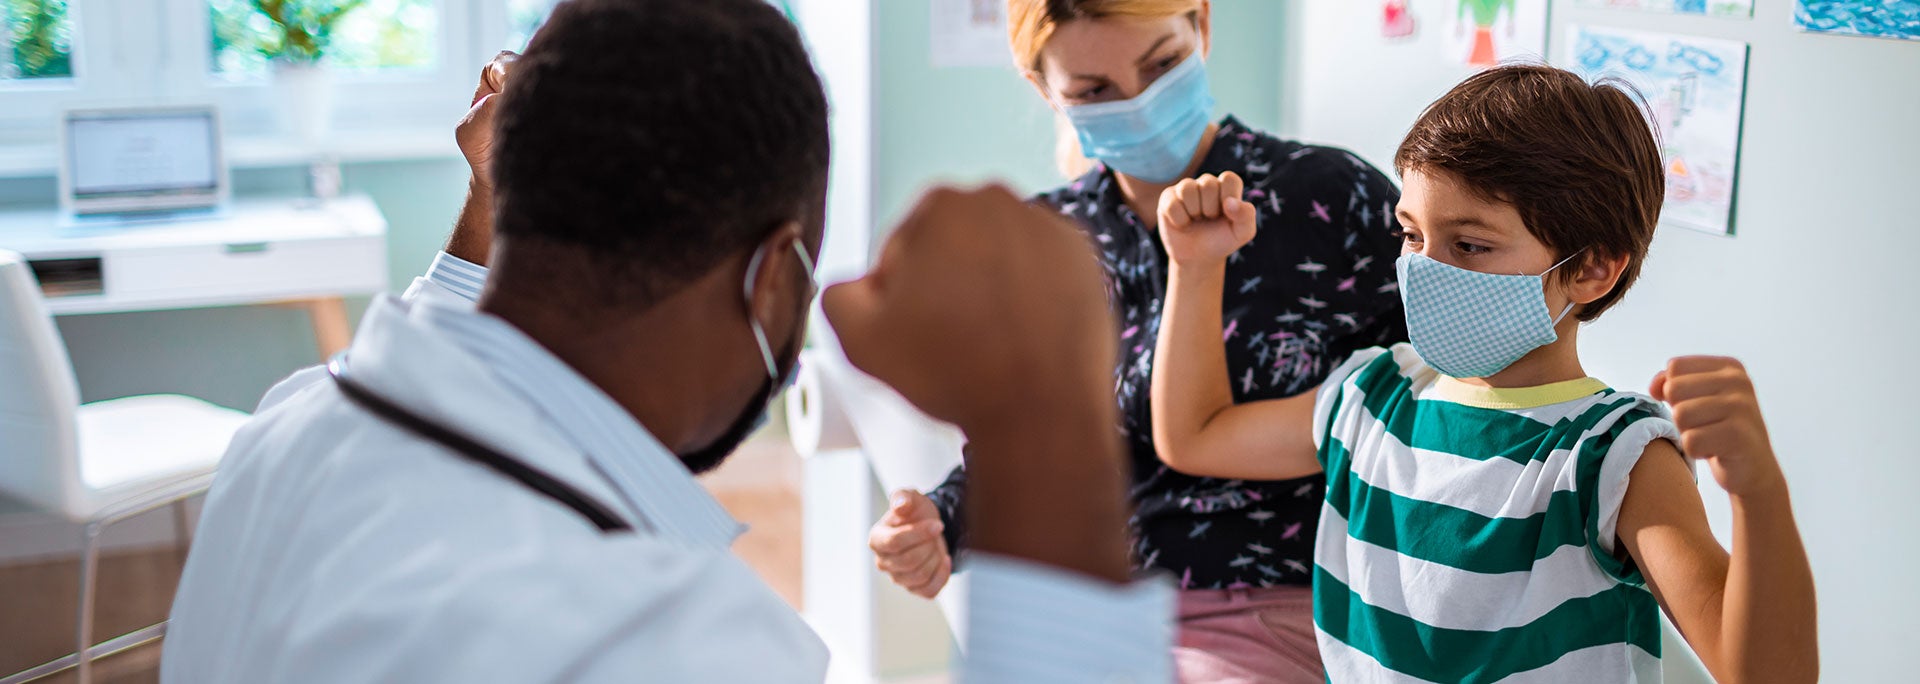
(652, 480)
(1516, 398)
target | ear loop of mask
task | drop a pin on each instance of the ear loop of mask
(1570, 302)
(759, 333)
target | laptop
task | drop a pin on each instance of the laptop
(124, 165)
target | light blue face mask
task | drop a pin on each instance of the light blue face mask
(1469, 324)
(1153, 136)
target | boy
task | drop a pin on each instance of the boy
(1492, 513)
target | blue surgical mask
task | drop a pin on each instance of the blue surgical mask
(1469, 324)
(1153, 136)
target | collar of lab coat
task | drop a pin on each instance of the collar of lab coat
(476, 373)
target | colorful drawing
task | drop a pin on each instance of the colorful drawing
(1396, 20)
(1718, 8)
(1876, 18)
(1695, 89)
(1488, 32)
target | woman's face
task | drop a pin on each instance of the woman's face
(1104, 60)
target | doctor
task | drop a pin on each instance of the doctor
(495, 482)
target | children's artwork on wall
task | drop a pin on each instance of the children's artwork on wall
(1396, 20)
(1695, 89)
(1876, 18)
(1488, 32)
(969, 33)
(1718, 8)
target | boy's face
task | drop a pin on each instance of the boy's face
(1443, 220)
(1448, 223)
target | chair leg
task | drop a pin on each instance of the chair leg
(89, 568)
(182, 531)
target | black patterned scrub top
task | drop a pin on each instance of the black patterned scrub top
(1316, 284)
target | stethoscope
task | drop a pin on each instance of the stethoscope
(528, 476)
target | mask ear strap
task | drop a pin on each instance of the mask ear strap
(806, 260)
(759, 334)
(1563, 313)
(1563, 262)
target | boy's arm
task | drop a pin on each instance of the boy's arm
(1749, 615)
(1197, 429)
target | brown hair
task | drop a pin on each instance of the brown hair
(1576, 160)
(1030, 23)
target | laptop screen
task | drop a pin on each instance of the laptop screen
(150, 154)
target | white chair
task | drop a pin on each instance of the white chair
(95, 464)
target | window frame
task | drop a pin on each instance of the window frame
(407, 97)
(29, 104)
(158, 53)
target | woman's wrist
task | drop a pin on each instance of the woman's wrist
(1197, 274)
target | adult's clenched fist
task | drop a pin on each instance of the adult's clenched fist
(982, 310)
(474, 133)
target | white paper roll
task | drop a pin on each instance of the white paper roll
(908, 449)
(816, 418)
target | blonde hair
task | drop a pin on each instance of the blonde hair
(1030, 23)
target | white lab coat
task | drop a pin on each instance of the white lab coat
(371, 555)
(335, 547)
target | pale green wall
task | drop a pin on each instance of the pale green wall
(230, 356)
(972, 124)
(1813, 291)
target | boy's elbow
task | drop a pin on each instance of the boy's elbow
(1806, 673)
(1803, 665)
(1805, 668)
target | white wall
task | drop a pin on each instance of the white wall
(1812, 292)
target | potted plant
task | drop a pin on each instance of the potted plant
(302, 32)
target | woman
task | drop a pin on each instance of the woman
(1315, 285)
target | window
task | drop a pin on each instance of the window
(401, 71)
(36, 40)
(355, 35)
(523, 18)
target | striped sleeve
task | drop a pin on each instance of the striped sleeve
(1605, 468)
(449, 275)
(1034, 623)
(1327, 399)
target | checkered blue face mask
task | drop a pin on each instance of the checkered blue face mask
(1469, 324)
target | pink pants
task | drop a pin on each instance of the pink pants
(1248, 636)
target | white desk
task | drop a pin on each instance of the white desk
(265, 251)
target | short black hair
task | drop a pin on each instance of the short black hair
(659, 138)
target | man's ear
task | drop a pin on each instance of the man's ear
(778, 274)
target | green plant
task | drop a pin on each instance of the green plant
(37, 31)
(303, 28)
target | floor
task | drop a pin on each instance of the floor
(760, 486)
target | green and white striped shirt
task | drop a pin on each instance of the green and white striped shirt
(1468, 532)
